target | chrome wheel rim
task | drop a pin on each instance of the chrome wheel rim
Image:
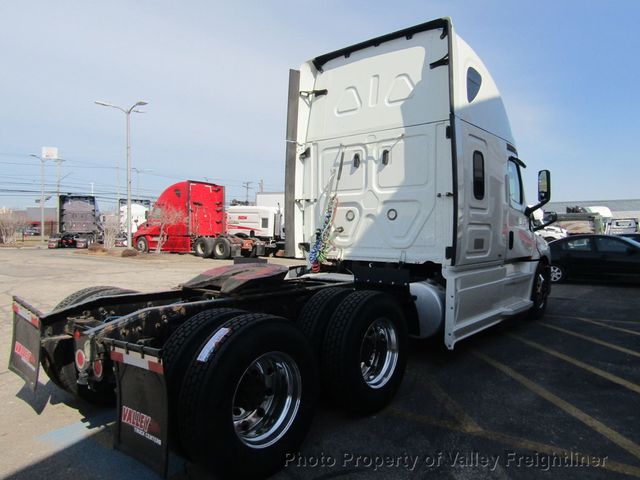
(379, 353)
(266, 400)
(556, 274)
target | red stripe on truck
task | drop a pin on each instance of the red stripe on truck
(26, 315)
(117, 357)
(156, 367)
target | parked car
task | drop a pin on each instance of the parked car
(602, 257)
(121, 241)
(31, 231)
(632, 236)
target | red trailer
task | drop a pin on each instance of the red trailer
(187, 216)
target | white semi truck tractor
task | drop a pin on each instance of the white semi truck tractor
(408, 205)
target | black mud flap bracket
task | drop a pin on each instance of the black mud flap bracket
(25, 344)
(142, 425)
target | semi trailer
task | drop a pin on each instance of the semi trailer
(408, 206)
(79, 220)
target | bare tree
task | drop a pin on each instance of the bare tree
(111, 228)
(10, 226)
(166, 217)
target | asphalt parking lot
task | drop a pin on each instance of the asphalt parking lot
(555, 398)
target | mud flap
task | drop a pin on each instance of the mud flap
(143, 416)
(25, 344)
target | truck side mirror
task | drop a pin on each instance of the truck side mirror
(544, 186)
(544, 191)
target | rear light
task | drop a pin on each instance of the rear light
(81, 359)
(97, 369)
(83, 355)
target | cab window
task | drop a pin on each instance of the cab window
(515, 184)
(478, 175)
(474, 81)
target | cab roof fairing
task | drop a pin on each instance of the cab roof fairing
(486, 110)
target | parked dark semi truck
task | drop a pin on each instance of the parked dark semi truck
(79, 220)
(409, 208)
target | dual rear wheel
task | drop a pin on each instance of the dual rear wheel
(242, 390)
(360, 341)
(243, 386)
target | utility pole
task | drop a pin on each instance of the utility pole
(261, 189)
(58, 162)
(246, 186)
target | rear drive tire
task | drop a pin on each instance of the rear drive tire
(364, 353)
(222, 248)
(208, 247)
(316, 314)
(248, 399)
(199, 247)
(179, 351)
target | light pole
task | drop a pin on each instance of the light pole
(48, 153)
(58, 162)
(127, 113)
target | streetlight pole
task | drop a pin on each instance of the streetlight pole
(127, 113)
(48, 153)
(42, 160)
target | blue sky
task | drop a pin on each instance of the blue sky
(215, 76)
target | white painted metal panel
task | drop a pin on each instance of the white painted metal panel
(380, 128)
(486, 110)
(247, 219)
(482, 222)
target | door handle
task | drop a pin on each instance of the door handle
(511, 240)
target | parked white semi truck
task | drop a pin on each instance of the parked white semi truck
(407, 194)
(139, 212)
(262, 226)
